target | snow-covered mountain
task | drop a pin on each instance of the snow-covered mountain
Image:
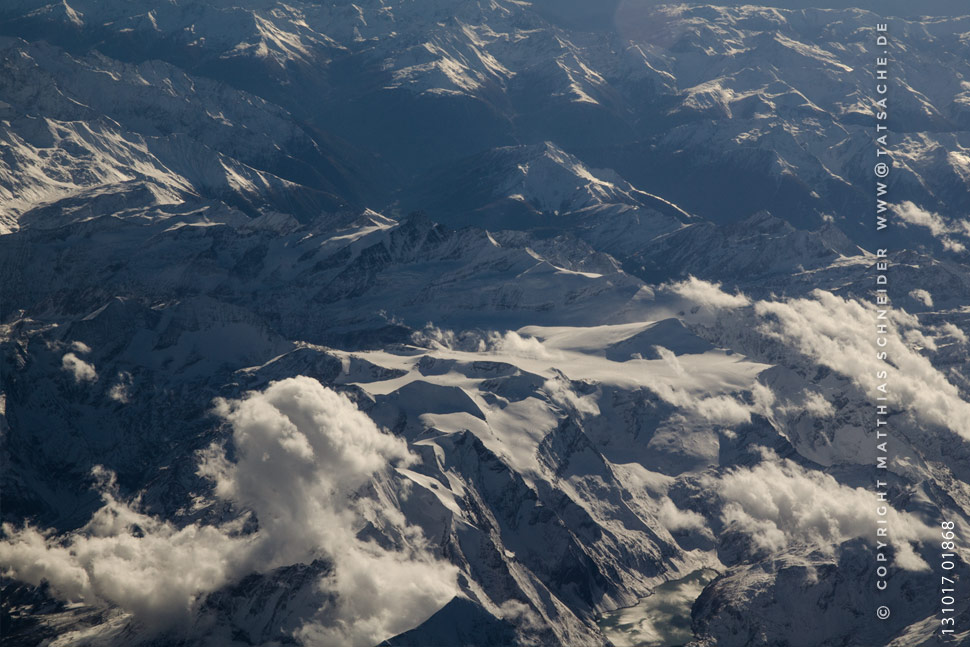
(379, 95)
(469, 323)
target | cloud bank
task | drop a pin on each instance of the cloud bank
(79, 369)
(681, 392)
(122, 557)
(512, 343)
(912, 214)
(779, 504)
(707, 294)
(301, 454)
(839, 334)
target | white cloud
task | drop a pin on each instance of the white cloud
(704, 293)
(673, 518)
(914, 215)
(780, 504)
(380, 593)
(512, 343)
(718, 409)
(302, 453)
(910, 213)
(951, 330)
(119, 392)
(681, 392)
(811, 402)
(521, 615)
(816, 405)
(922, 296)
(670, 359)
(764, 399)
(560, 392)
(917, 340)
(81, 370)
(147, 566)
(434, 337)
(840, 334)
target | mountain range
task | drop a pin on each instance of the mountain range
(473, 322)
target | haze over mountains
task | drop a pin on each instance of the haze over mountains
(443, 323)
